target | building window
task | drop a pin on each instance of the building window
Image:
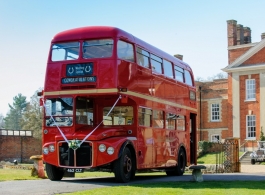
(215, 138)
(250, 89)
(251, 126)
(215, 112)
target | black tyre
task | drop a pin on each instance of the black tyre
(124, 167)
(253, 161)
(180, 168)
(53, 172)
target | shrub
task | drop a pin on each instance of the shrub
(204, 147)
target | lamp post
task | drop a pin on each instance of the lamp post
(200, 89)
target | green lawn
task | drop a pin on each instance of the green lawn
(187, 188)
(210, 158)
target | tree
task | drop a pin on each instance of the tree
(12, 120)
(32, 117)
(221, 76)
(199, 79)
(1, 121)
(262, 137)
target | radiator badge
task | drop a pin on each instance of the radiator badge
(74, 144)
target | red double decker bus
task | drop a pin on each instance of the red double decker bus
(116, 103)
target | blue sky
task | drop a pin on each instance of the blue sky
(197, 29)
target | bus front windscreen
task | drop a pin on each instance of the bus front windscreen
(99, 48)
(65, 51)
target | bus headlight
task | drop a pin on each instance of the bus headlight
(45, 150)
(110, 150)
(51, 148)
(102, 148)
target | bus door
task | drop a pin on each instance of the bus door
(193, 139)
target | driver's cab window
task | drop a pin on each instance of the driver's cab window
(84, 111)
(59, 111)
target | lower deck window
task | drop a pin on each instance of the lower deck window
(120, 115)
(145, 117)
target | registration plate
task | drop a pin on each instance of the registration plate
(75, 170)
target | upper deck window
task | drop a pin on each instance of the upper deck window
(125, 51)
(65, 51)
(99, 48)
(168, 70)
(156, 63)
(188, 79)
(179, 73)
(143, 57)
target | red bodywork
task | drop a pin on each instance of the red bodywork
(153, 147)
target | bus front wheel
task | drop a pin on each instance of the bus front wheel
(124, 168)
(53, 172)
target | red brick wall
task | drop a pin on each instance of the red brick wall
(257, 58)
(17, 147)
(233, 54)
(210, 91)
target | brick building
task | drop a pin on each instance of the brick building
(212, 110)
(246, 84)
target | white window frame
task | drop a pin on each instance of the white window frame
(214, 139)
(251, 126)
(250, 90)
(214, 112)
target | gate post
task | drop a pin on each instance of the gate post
(234, 152)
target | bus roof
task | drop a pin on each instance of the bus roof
(91, 32)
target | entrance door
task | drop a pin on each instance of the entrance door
(193, 139)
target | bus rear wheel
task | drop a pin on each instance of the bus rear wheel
(53, 172)
(180, 168)
(124, 167)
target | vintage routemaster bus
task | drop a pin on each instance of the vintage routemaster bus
(116, 103)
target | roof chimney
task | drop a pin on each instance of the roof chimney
(231, 32)
(240, 34)
(178, 56)
(247, 35)
(263, 36)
